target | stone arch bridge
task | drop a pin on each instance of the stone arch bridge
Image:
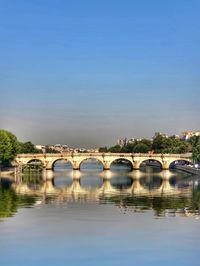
(136, 159)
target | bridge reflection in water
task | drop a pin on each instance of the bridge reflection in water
(75, 186)
(163, 192)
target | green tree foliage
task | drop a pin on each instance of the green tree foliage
(103, 149)
(10, 202)
(8, 147)
(196, 153)
(129, 147)
(179, 146)
(194, 141)
(28, 147)
(141, 148)
(115, 149)
(50, 150)
(161, 144)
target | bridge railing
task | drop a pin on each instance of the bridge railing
(184, 155)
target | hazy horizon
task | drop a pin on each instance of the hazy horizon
(85, 73)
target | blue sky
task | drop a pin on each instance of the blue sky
(88, 72)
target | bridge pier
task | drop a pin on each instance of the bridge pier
(165, 165)
(47, 174)
(106, 165)
(76, 165)
(76, 175)
(136, 165)
(76, 168)
(48, 168)
(107, 174)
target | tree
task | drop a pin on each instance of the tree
(141, 148)
(179, 146)
(50, 150)
(9, 146)
(10, 201)
(28, 147)
(147, 142)
(103, 149)
(183, 147)
(161, 143)
(129, 147)
(196, 153)
(194, 140)
(115, 149)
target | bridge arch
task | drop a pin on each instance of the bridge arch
(35, 161)
(173, 163)
(122, 161)
(67, 161)
(152, 161)
(93, 160)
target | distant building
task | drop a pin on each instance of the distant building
(122, 142)
(160, 134)
(58, 148)
(188, 134)
(41, 147)
(131, 140)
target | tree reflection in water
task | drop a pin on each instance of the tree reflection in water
(178, 196)
(10, 201)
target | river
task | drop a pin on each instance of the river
(95, 217)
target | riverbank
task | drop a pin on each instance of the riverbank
(189, 170)
(7, 172)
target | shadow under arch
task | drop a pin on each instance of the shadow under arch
(151, 182)
(91, 164)
(61, 165)
(179, 162)
(121, 165)
(35, 162)
(151, 165)
(121, 182)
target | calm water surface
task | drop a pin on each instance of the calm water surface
(90, 217)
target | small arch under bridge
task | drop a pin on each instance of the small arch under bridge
(136, 159)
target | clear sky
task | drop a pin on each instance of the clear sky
(88, 72)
